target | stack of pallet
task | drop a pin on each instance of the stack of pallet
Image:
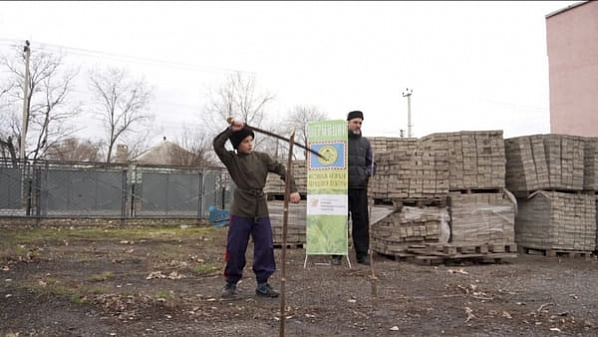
(465, 168)
(553, 177)
(482, 211)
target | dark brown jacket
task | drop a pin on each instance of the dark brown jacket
(249, 173)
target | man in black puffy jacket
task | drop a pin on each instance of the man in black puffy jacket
(360, 170)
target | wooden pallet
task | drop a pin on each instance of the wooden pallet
(555, 252)
(289, 245)
(477, 190)
(433, 254)
(413, 202)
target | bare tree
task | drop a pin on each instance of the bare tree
(73, 149)
(49, 108)
(237, 98)
(121, 103)
(298, 118)
(194, 149)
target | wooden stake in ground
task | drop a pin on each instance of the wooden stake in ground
(373, 277)
(285, 220)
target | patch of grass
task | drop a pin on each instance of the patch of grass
(102, 277)
(78, 299)
(16, 242)
(165, 295)
(205, 269)
(13, 252)
(55, 287)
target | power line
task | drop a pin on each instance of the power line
(135, 59)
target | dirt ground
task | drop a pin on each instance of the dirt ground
(167, 281)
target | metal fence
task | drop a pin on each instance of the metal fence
(46, 189)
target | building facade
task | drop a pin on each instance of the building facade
(572, 43)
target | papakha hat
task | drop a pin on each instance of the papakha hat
(354, 114)
(237, 137)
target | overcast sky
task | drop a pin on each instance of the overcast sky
(471, 65)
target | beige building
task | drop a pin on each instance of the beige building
(572, 42)
(165, 153)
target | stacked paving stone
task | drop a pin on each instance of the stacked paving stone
(295, 222)
(590, 173)
(554, 177)
(395, 233)
(476, 158)
(549, 162)
(467, 168)
(274, 190)
(410, 174)
(275, 186)
(387, 144)
(557, 221)
(410, 169)
(483, 217)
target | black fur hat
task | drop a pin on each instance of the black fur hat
(237, 137)
(354, 114)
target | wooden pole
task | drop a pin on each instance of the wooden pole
(25, 123)
(373, 276)
(285, 220)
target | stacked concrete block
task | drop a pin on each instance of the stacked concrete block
(590, 174)
(545, 162)
(275, 185)
(407, 226)
(388, 144)
(476, 159)
(549, 220)
(521, 173)
(410, 174)
(295, 221)
(596, 203)
(482, 218)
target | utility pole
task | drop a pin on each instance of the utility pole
(407, 93)
(25, 102)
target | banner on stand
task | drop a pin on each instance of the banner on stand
(327, 188)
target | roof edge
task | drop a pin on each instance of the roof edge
(558, 11)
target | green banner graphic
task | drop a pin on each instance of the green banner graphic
(327, 202)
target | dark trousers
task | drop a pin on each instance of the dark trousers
(236, 246)
(358, 207)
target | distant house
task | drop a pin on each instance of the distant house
(166, 153)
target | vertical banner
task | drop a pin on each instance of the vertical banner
(327, 188)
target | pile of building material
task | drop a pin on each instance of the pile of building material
(483, 217)
(295, 222)
(395, 233)
(388, 144)
(590, 173)
(554, 178)
(548, 162)
(476, 159)
(556, 221)
(275, 186)
(465, 170)
(410, 174)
